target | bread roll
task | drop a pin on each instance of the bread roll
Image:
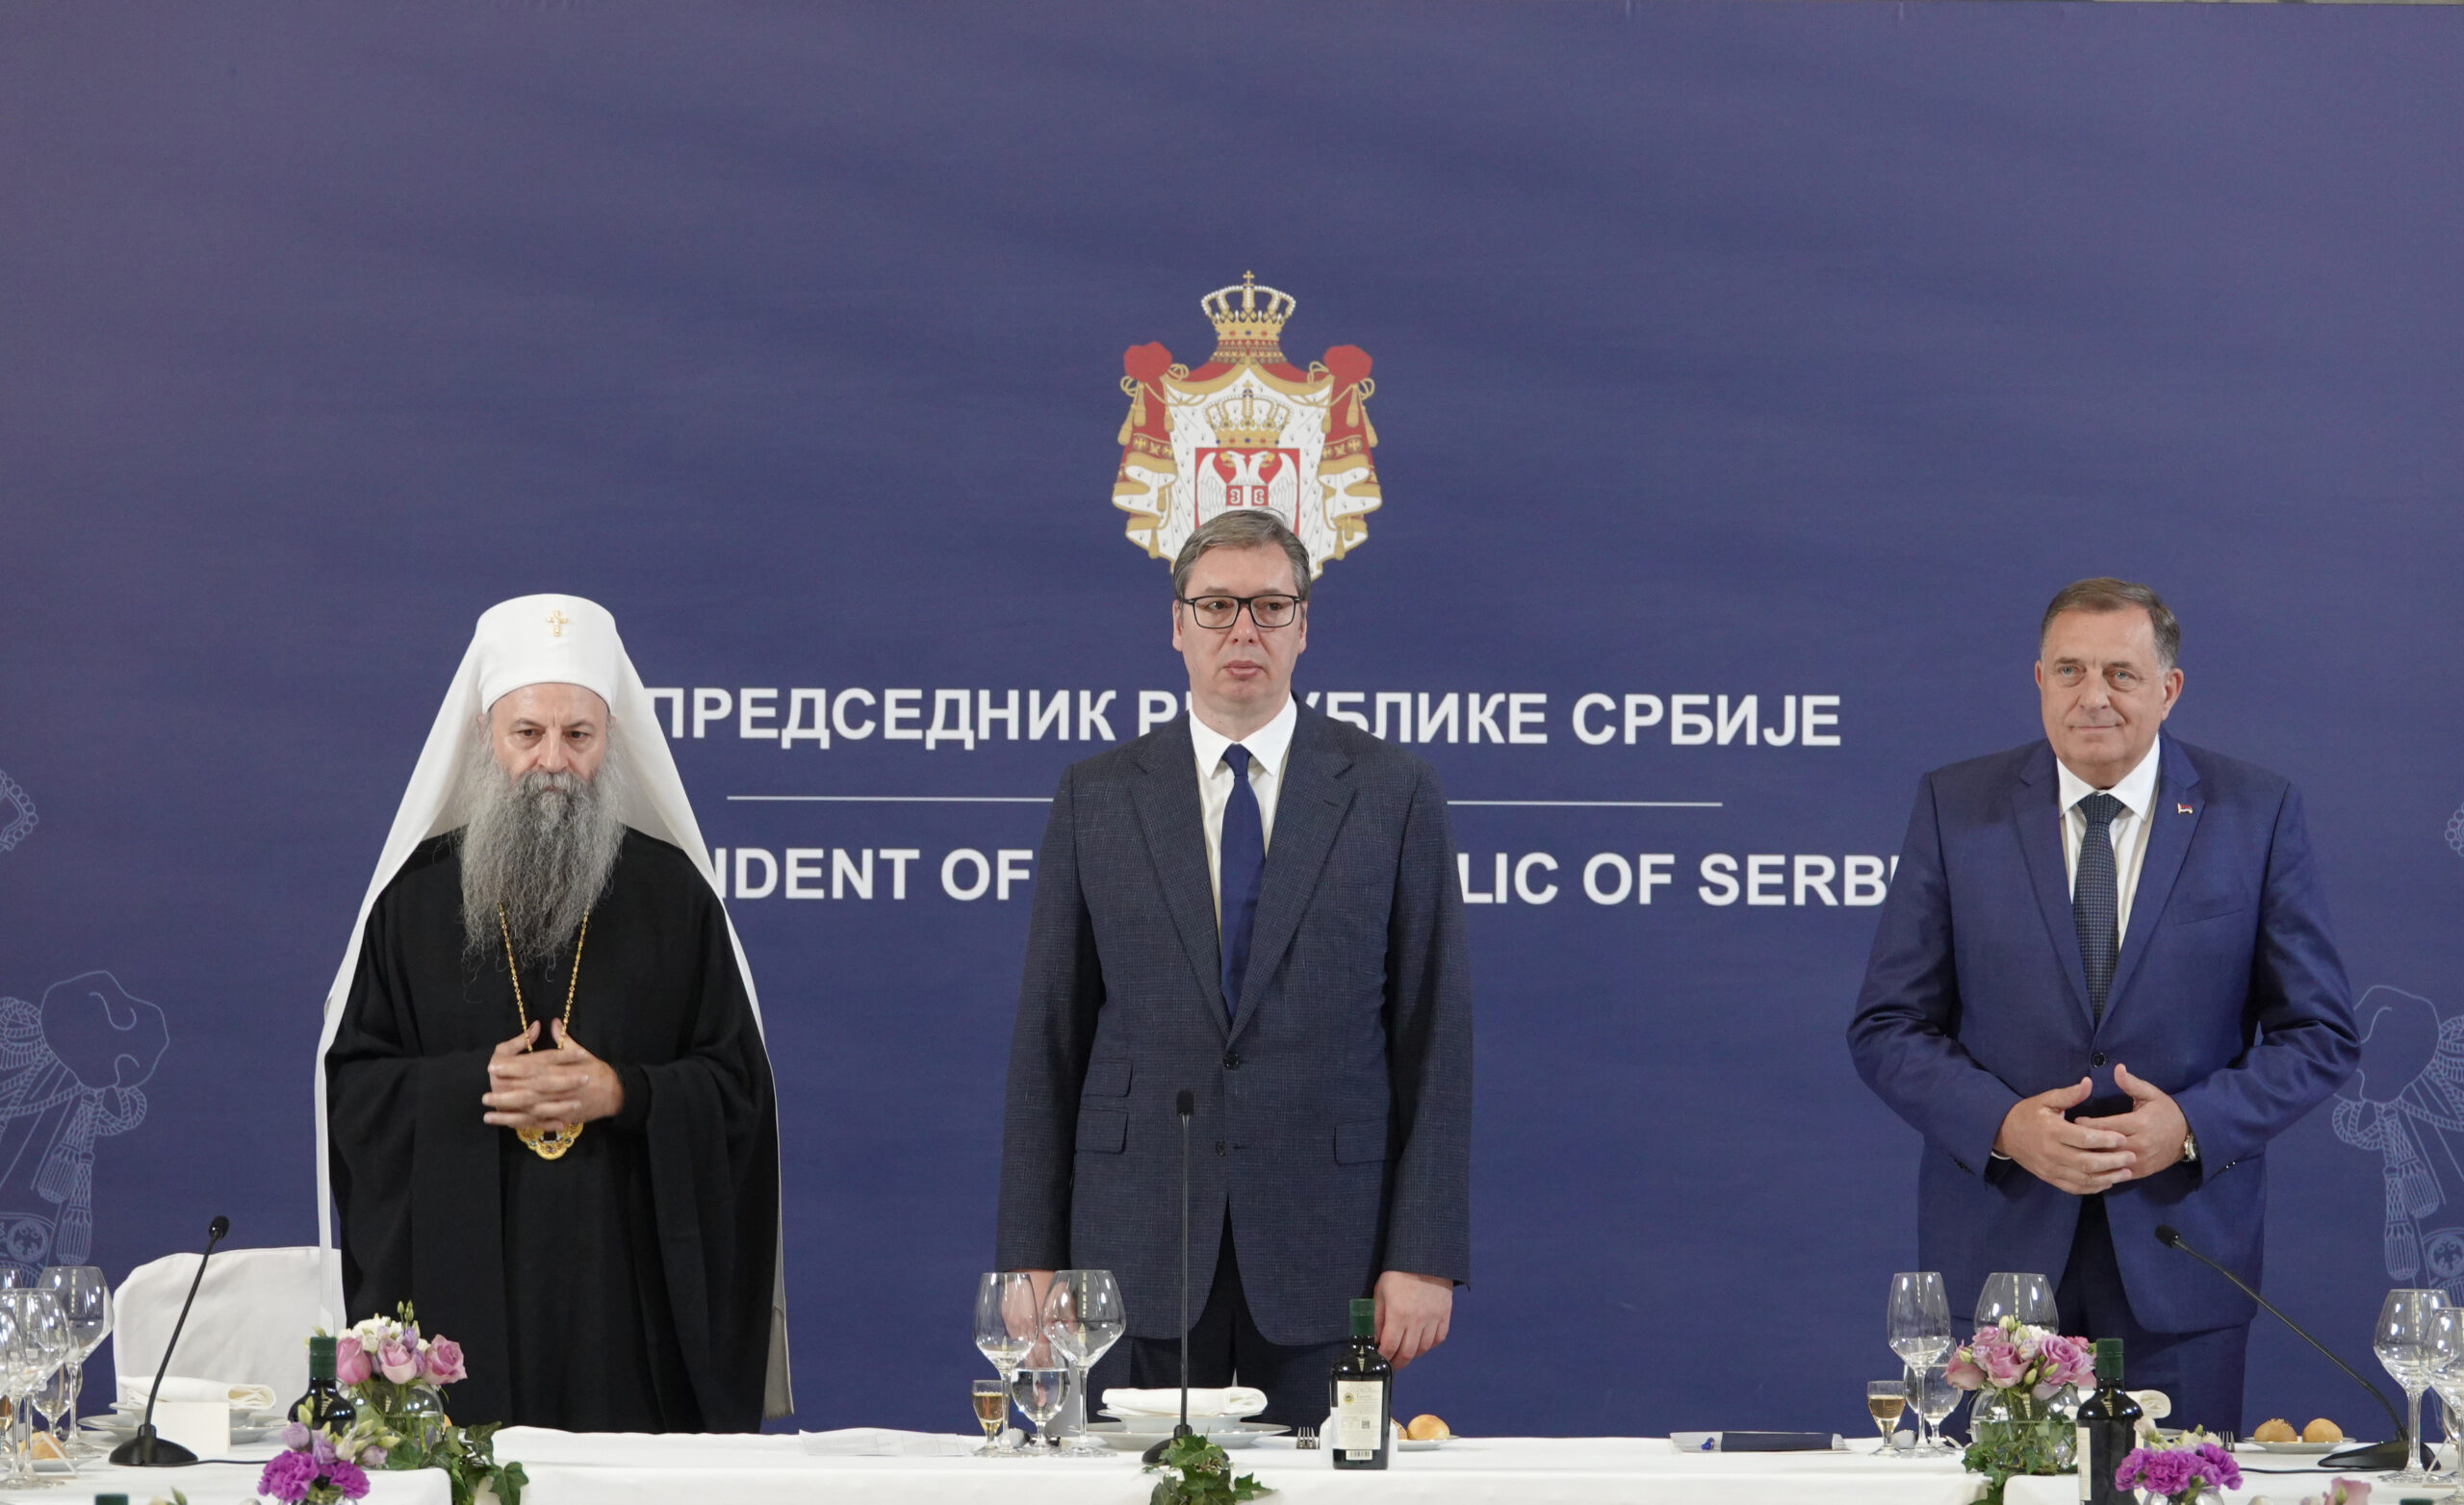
(2322, 1430)
(1426, 1428)
(2274, 1429)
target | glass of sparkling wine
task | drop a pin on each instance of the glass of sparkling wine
(991, 1409)
(1006, 1324)
(1886, 1399)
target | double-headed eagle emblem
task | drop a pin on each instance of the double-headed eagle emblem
(1248, 429)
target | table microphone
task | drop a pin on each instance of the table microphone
(1184, 1105)
(2388, 1454)
(146, 1450)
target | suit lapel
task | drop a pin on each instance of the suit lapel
(1166, 796)
(2036, 806)
(2169, 841)
(1308, 811)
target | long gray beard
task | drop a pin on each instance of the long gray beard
(543, 847)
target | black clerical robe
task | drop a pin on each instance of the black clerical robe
(626, 1287)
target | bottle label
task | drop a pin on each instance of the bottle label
(1360, 1412)
(2086, 1467)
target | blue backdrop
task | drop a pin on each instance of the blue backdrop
(1722, 351)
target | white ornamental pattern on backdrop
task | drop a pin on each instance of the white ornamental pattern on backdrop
(16, 812)
(1248, 429)
(73, 1071)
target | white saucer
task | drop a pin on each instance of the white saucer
(1223, 1432)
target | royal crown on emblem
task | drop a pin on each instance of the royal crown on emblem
(1247, 421)
(1248, 322)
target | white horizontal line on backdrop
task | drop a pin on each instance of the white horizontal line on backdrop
(1040, 798)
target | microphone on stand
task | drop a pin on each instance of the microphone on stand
(1184, 1104)
(146, 1450)
(2388, 1454)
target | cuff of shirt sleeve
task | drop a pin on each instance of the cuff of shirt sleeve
(636, 1110)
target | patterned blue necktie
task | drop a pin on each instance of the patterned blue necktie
(1241, 864)
(2095, 902)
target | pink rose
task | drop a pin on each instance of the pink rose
(444, 1362)
(2068, 1362)
(351, 1360)
(399, 1362)
(1963, 1374)
(2003, 1363)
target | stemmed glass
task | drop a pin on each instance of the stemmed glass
(1040, 1392)
(85, 1299)
(1005, 1326)
(1083, 1318)
(2024, 1296)
(1920, 1330)
(2407, 1323)
(2446, 1378)
(38, 1341)
(1885, 1400)
(1934, 1397)
(991, 1398)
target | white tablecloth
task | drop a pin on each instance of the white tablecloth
(567, 1468)
(221, 1484)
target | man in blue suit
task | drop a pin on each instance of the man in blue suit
(2103, 982)
(1258, 903)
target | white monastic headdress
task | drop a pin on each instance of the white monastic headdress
(533, 640)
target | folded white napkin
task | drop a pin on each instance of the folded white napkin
(181, 1387)
(882, 1443)
(1237, 1401)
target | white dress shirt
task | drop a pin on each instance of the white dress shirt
(1268, 747)
(2137, 792)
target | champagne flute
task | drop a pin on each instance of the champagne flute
(2407, 1320)
(86, 1296)
(2021, 1295)
(1919, 1324)
(1885, 1400)
(1083, 1318)
(1040, 1392)
(991, 1409)
(1937, 1397)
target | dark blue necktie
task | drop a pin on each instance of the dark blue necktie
(2096, 900)
(1242, 865)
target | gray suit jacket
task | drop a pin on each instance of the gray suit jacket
(1333, 1105)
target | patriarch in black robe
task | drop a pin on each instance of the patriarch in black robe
(549, 1117)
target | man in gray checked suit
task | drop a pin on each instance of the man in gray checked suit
(1257, 904)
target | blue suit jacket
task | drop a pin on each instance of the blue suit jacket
(2228, 995)
(1334, 1107)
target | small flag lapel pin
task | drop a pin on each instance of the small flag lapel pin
(2181, 809)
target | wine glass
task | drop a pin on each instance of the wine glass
(2407, 1320)
(1041, 1394)
(2446, 1378)
(2024, 1296)
(1885, 1400)
(1936, 1398)
(1005, 1323)
(991, 1408)
(86, 1298)
(13, 1347)
(1920, 1323)
(38, 1341)
(1083, 1318)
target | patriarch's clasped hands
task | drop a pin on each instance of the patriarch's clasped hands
(2086, 1156)
(548, 1089)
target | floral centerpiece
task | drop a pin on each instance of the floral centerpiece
(2182, 1470)
(397, 1375)
(2022, 1374)
(318, 1467)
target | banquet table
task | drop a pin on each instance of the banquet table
(866, 1465)
(221, 1482)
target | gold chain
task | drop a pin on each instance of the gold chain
(546, 1143)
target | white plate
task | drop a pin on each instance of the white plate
(1172, 1417)
(1138, 1436)
(2302, 1447)
(1153, 1424)
(1424, 1445)
(120, 1429)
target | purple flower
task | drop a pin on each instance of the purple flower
(288, 1476)
(351, 1360)
(399, 1362)
(2169, 1473)
(348, 1478)
(2217, 1466)
(2348, 1491)
(444, 1362)
(295, 1435)
(371, 1457)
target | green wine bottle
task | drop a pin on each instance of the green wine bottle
(2107, 1430)
(1363, 1388)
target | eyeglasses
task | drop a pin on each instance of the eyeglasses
(1218, 613)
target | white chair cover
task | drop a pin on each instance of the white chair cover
(250, 1325)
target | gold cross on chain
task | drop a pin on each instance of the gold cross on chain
(556, 621)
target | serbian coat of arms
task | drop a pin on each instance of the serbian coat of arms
(1248, 429)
